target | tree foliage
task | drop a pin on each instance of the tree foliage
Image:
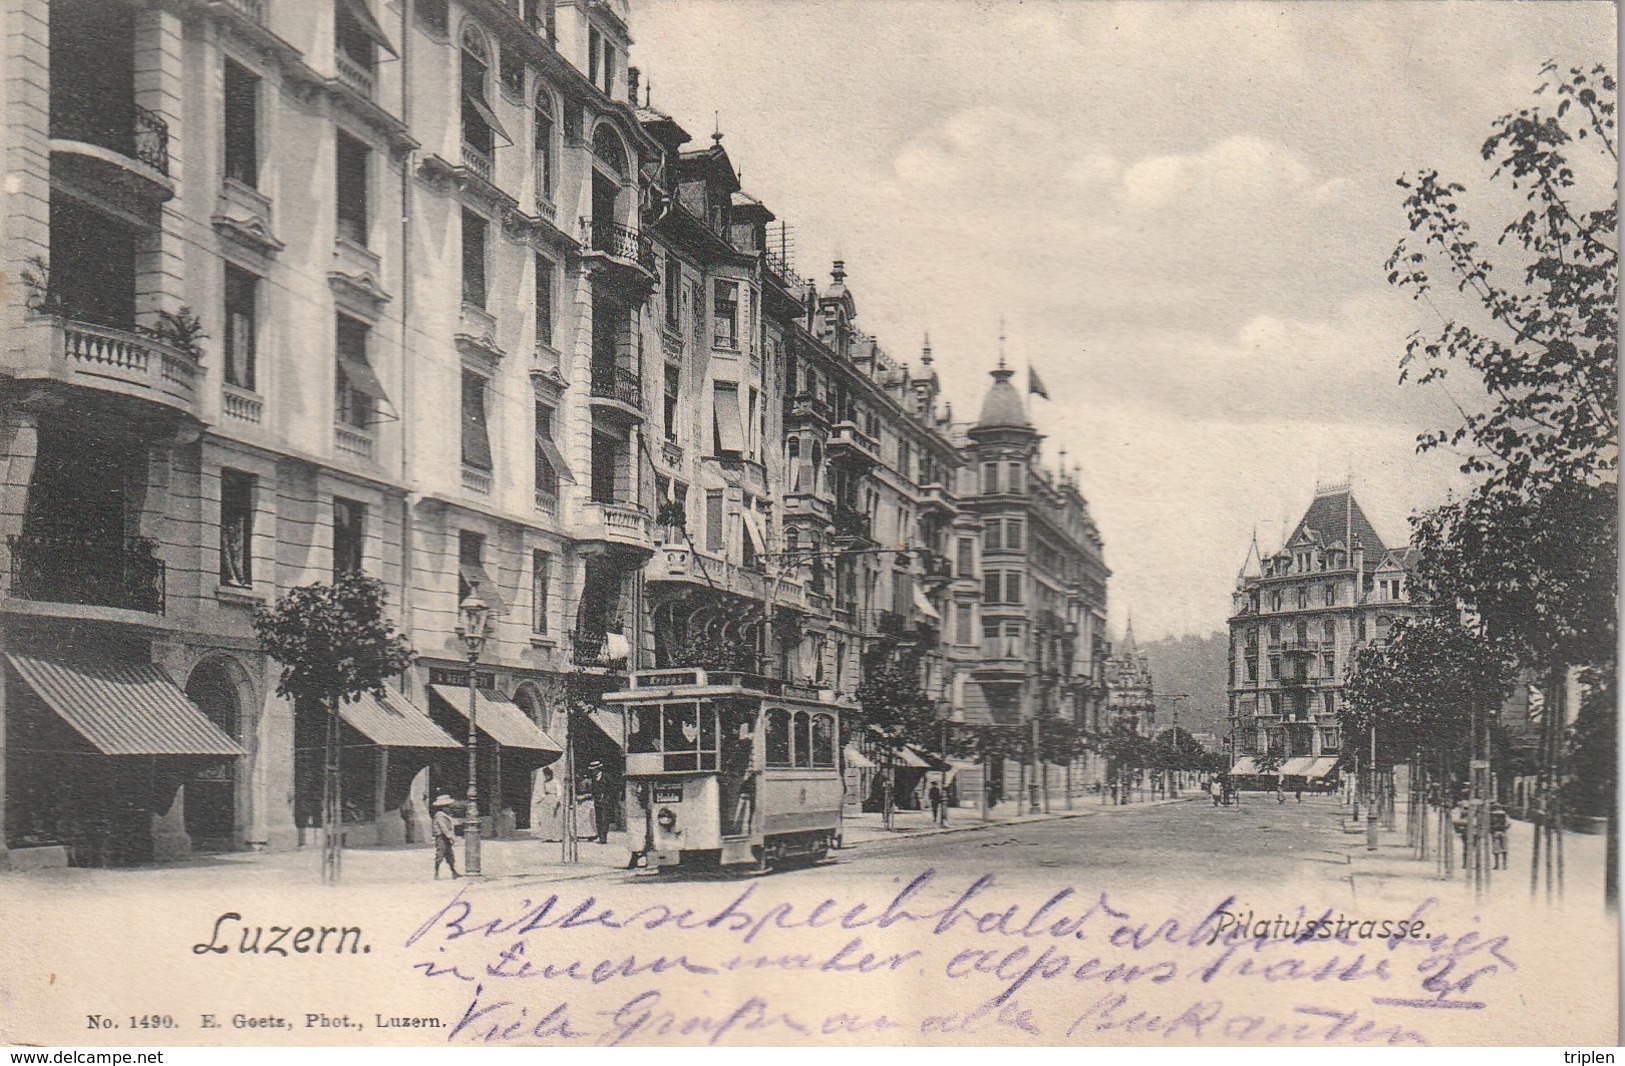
(1537, 326)
(333, 641)
(1421, 688)
(893, 703)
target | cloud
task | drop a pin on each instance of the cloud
(1232, 171)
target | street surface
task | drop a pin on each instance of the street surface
(1059, 929)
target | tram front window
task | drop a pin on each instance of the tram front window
(685, 733)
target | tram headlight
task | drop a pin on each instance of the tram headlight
(667, 819)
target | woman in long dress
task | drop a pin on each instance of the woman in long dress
(547, 811)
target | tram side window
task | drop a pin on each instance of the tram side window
(823, 741)
(803, 726)
(778, 737)
(644, 732)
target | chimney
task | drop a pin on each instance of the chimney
(632, 75)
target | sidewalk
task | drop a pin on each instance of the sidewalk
(1392, 869)
(861, 829)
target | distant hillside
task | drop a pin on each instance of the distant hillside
(1195, 665)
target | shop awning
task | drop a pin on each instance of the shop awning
(1298, 766)
(609, 723)
(393, 722)
(923, 604)
(931, 761)
(1321, 766)
(499, 718)
(856, 758)
(1245, 765)
(124, 708)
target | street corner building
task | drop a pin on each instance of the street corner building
(432, 292)
(1298, 615)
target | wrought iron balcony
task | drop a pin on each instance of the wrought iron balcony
(617, 383)
(92, 571)
(850, 524)
(618, 242)
(133, 132)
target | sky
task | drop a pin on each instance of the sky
(1181, 212)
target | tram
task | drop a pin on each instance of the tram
(726, 768)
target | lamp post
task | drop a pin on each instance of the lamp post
(475, 615)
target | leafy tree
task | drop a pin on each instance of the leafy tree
(1531, 553)
(893, 708)
(1422, 688)
(334, 644)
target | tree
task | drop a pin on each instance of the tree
(1531, 552)
(1424, 690)
(334, 645)
(894, 708)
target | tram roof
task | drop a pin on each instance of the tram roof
(645, 685)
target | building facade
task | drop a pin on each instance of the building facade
(1130, 689)
(1298, 616)
(425, 291)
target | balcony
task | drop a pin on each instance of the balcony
(241, 405)
(798, 502)
(353, 75)
(476, 480)
(616, 529)
(479, 163)
(253, 9)
(679, 564)
(937, 498)
(127, 149)
(778, 265)
(92, 572)
(851, 445)
(851, 524)
(126, 362)
(353, 442)
(618, 388)
(622, 245)
(809, 409)
(937, 569)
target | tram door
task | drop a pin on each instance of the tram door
(736, 778)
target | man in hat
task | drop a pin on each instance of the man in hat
(603, 800)
(445, 835)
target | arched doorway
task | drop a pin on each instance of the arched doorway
(211, 785)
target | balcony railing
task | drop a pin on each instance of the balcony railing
(618, 242)
(134, 362)
(356, 443)
(851, 524)
(780, 265)
(240, 405)
(851, 442)
(476, 480)
(806, 406)
(137, 134)
(619, 384)
(479, 163)
(92, 571)
(254, 9)
(352, 74)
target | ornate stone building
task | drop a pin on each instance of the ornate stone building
(1297, 617)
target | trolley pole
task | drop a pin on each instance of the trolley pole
(1371, 801)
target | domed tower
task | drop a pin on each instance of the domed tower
(1003, 448)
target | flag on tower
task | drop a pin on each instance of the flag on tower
(1034, 386)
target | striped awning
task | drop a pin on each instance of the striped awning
(393, 722)
(1245, 765)
(124, 708)
(499, 718)
(1298, 766)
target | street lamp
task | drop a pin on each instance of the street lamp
(475, 615)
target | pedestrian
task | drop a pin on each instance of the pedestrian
(1299, 793)
(603, 800)
(1216, 789)
(935, 795)
(547, 811)
(445, 836)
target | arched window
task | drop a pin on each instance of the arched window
(606, 146)
(480, 126)
(544, 147)
(803, 748)
(778, 737)
(823, 741)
